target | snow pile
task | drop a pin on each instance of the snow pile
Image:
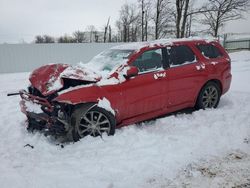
(117, 78)
(148, 155)
(105, 104)
(54, 84)
(32, 107)
(229, 171)
(77, 72)
(160, 42)
(80, 73)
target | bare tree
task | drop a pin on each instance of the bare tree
(96, 36)
(48, 39)
(147, 18)
(39, 39)
(162, 17)
(184, 15)
(91, 29)
(106, 31)
(145, 14)
(79, 36)
(110, 34)
(66, 39)
(181, 17)
(119, 30)
(128, 22)
(221, 11)
(44, 39)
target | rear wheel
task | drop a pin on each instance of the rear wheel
(209, 96)
(94, 122)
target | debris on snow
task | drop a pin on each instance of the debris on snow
(232, 170)
(28, 145)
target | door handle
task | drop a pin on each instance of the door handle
(159, 75)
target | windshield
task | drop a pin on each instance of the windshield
(109, 60)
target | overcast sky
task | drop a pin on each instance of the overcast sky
(22, 20)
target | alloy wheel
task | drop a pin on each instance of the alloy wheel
(210, 97)
(93, 123)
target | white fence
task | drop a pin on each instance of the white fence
(237, 44)
(236, 41)
(26, 57)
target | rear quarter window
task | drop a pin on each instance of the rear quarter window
(209, 51)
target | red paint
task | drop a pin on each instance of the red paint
(41, 76)
(150, 94)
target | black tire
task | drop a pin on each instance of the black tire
(94, 121)
(209, 96)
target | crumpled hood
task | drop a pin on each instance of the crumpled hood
(49, 78)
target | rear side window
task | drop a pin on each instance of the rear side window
(209, 51)
(179, 55)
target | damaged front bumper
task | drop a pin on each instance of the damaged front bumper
(41, 115)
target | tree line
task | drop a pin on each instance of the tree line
(155, 19)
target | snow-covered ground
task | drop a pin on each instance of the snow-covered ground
(208, 148)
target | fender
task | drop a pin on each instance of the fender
(90, 94)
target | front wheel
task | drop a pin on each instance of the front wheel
(209, 96)
(94, 122)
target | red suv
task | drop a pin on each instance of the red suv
(125, 85)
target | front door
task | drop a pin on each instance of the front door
(144, 93)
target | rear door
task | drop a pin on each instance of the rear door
(184, 77)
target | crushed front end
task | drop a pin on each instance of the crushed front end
(43, 114)
(37, 103)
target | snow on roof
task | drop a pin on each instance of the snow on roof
(160, 42)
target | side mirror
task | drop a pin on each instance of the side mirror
(132, 71)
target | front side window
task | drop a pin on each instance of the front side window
(209, 51)
(179, 55)
(149, 61)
